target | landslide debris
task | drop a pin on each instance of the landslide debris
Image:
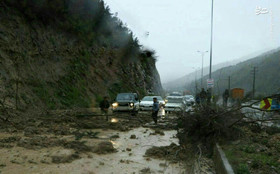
(105, 148)
(65, 158)
(173, 152)
(145, 171)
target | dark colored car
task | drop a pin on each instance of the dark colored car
(126, 102)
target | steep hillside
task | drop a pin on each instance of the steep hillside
(68, 53)
(267, 77)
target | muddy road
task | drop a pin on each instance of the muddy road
(89, 144)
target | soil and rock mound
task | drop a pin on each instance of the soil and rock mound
(173, 153)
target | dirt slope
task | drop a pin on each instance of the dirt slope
(44, 66)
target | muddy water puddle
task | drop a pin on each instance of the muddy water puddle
(129, 158)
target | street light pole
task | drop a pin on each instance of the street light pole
(211, 44)
(202, 55)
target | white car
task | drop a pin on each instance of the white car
(188, 99)
(174, 103)
(147, 102)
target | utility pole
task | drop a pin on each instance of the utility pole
(254, 71)
(195, 80)
(202, 55)
(211, 44)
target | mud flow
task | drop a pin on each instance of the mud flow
(90, 145)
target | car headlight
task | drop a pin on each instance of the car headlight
(115, 105)
(131, 104)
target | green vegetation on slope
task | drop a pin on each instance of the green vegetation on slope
(257, 151)
(268, 73)
(90, 20)
(70, 53)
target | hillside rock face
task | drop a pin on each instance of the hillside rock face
(45, 66)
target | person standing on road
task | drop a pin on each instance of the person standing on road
(225, 97)
(104, 107)
(203, 96)
(155, 110)
(197, 98)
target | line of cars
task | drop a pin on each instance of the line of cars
(177, 102)
(130, 102)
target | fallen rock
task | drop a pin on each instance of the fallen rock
(65, 159)
(166, 152)
(125, 161)
(133, 137)
(128, 149)
(3, 165)
(158, 132)
(145, 171)
(105, 148)
(44, 161)
(148, 159)
(115, 136)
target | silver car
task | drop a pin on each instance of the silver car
(188, 100)
(174, 103)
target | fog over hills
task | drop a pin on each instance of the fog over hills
(183, 82)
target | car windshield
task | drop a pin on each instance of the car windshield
(150, 98)
(125, 97)
(188, 97)
(175, 94)
(174, 100)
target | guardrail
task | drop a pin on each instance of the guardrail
(221, 162)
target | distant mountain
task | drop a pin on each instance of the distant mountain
(181, 83)
(185, 81)
(267, 76)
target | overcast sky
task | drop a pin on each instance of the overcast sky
(176, 29)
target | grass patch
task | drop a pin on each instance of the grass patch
(242, 169)
(253, 154)
(43, 92)
(69, 91)
(72, 89)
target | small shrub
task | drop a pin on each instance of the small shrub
(242, 169)
(256, 164)
(273, 130)
(249, 149)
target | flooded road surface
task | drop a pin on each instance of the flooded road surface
(126, 161)
(129, 158)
